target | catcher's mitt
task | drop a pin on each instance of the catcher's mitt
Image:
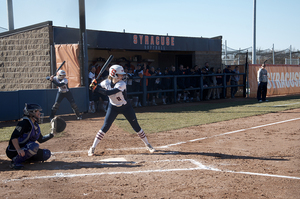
(58, 125)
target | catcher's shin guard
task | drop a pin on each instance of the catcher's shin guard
(42, 155)
(30, 150)
(46, 154)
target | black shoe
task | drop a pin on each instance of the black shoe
(16, 166)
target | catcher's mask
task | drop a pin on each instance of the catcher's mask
(34, 111)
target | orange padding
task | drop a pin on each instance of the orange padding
(282, 79)
(70, 54)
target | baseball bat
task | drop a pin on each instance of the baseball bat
(105, 66)
(48, 77)
(94, 83)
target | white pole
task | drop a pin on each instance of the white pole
(239, 57)
(254, 34)
(290, 54)
(10, 15)
(225, 52)
(273, 55)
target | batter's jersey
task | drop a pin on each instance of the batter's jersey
(119, 98)
(64, 88)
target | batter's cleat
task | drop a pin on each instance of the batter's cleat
(16, 166)
(150, 148)
(79, 117)
(91, 151)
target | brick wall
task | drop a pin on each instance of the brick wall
(213, 58)
(25, 60)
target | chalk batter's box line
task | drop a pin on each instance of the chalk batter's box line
(199, 165)
(222, 134)
(198, 139)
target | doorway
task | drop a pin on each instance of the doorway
(185, 60)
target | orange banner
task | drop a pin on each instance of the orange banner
(69, 53)
(282, 79)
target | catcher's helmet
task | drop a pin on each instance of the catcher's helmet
(30, 110)
(61, 74)
(114, 70)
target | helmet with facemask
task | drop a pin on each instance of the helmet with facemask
(30, 111)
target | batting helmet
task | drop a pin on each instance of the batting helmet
(61, 74)
(114, 70)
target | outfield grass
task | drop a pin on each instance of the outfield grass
(205, 113)
(194, 115)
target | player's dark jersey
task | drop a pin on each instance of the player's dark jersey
(25, 132)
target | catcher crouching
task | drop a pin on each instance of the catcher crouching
(22, 144)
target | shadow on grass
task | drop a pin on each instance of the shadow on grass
(225, 103)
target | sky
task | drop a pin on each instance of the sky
(277, 21)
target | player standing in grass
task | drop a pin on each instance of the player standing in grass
(115, 88)
(262, 80)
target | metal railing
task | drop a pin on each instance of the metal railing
(175, 90)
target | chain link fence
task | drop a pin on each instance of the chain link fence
(236, 57)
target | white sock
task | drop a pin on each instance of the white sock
(142, 135)
(98, 138)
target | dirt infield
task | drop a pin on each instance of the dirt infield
(254, 157)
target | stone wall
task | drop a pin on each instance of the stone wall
(25, 60)
(213, 58)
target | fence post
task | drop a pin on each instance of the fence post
(201, 87)
(175, 88)
(244, 85)
(224, 86)
(144, 91)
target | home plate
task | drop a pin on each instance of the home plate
(116, 160)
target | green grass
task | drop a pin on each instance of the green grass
(203, 113)
(6, 132)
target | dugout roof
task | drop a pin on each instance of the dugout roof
(131, 41)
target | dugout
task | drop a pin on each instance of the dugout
(130, 49)
(31, 53)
